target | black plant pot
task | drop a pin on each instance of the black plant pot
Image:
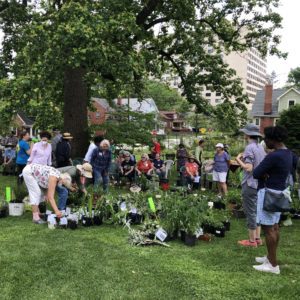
(42, 207)
(172, 236)
(296, 216)
(283, 217)
(134, 218)
(208, 229)
(227, 225)
(151, 236)
(219, 205)
(3, 212)
(97, 220)
(87, 222)
(72, 224)
(190, 240)
(182, 235)
(220, 232)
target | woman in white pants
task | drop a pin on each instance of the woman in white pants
(41, 182)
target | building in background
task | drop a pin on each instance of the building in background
(270, 103)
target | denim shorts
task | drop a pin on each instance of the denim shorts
(265, 217)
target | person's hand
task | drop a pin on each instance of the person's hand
(58, 214)
(240, 156)
(192, 177)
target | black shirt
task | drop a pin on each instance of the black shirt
(158, 163)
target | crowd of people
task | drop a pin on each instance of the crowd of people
(46, 167)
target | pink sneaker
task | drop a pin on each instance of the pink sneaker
(247, 243)
(259, 242)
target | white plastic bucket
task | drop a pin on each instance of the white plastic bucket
(16, 209)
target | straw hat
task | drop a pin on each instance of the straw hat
(135, 189)
(86, 170)
(67, 136)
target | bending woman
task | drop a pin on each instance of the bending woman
(41, 179)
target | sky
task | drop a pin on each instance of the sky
(289, 10)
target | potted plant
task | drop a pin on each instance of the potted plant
(3, 208)
(87, 218)
(16, 205)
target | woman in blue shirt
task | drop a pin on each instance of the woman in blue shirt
(272, 173)
(24, 151)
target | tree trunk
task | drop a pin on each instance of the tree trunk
(75, 110)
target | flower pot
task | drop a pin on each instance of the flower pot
(239, 214)
(16, 209)
(97, 220)
(208, 228)
(72, 224)
(227, 225)
(42, 207)
(220, 232)
(190, 240)
(296, 216)
(86, 221)
(182, 235)
(219, 205)
(151, 236)
(3, 212)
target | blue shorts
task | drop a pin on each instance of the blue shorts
(265, 217)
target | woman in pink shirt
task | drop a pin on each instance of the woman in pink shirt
(41, 151)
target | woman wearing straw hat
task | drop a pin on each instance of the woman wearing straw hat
(252, 156)
(40, 179)
(63, 151)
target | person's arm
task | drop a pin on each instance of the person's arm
(197, 153)
(49, 160)
(89, 153)
(93, 156)
(129, 171)
(32, 154)
(151, 169)
(264, 167)
(50, 194)
(246, 165)
(137, 169)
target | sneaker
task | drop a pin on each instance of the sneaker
(268, 268)
(247, 243)
(262, 259)
(39, 222)
(259, 242)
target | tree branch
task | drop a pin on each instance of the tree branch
(146, 12)
(154, 22)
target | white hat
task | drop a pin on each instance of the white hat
(219, 145)
(86, 170)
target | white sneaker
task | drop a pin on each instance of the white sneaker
(268, 268)
(261, 260)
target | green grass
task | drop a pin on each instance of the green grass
(99, 263)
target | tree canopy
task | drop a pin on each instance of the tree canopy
(290, 119)
(294, 78)
(56, 53)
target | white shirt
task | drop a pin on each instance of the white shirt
(88, 155)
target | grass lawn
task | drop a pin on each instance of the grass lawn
(99, 263)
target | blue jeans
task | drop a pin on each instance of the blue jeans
(62, 197)
(101, 177)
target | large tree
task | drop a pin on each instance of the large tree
(294, 78)
(56, 52)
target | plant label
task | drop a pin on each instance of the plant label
(210, 204)
(161, 234)
(63, 212)
(63, 221)
(218, 232)
(51, 219)
(48, 212)
(197, 179)
(8, 194)
(123, 206)
(151, 204)
(133, 210)
(199, 232)
(68, 211)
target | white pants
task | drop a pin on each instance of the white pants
(219, 176)
(36, 194)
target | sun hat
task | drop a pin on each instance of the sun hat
(251, 130)
(135, 189)
(86, 170)
(219, 145)
(67, 136)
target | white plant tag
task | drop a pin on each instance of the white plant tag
(161, 234)
(123, 206)
(199, 232)
(68, 211)
(210, 204)
(51, 219)
(133, 210)
(197, 179)
(48, 212)
(218, 231)
(63, 221)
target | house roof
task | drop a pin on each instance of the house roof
(145, 106)
(26, 120)
(259, 102)
(287, 91)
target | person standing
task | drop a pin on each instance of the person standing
(272, 174)
(199, 152)
(97, 140)
(156, 149)
(181, 155)
(252, 156)
(221, 167)
(41, 151)
(55, 140)
(11, 139)
(63, 151)
(100, 161)
(9, 160)
(23, 154)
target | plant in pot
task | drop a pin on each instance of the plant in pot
(87, 218)
(16, 205)
(3, 208)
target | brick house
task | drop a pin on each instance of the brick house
(172, 121)
(269, 103)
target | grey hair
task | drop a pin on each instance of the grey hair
(66, 177)
(105, 142)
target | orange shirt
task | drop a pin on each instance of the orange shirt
(192, 167)
(144, 166)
